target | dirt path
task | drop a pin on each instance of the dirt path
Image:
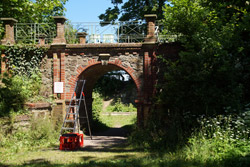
(105, 140)
(106, 104)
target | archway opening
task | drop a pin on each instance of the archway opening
(110, 98)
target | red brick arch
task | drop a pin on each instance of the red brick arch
(93, 62)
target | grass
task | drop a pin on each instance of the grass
(118, 120)
(55, 157)
(122, 156)
(220, 142)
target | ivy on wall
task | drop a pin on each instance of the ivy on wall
(24, 60)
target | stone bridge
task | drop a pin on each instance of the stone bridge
(68, 63)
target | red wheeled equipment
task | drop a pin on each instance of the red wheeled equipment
(71, 141)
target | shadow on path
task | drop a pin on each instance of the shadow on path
(110, 140)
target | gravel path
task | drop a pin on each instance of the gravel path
(113, 137)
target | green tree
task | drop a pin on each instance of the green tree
(212, 72)
(31, 11)
(133, 10)
(210, 76)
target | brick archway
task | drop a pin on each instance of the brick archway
(92, 72)
(117, 64)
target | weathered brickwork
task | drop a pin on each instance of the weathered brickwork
(47, 76)
(76, 64)
(68, 63)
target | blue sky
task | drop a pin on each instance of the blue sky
(86, 10)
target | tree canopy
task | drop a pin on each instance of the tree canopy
(133, 10)
(31, 10)
(212, 72)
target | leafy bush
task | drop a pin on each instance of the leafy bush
(23, 81)
(120, 107)
(97, 124)
(16, 90)
(96, 106)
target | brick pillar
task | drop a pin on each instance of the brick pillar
(140, 114)
(9, 31)
(55, 69)
(62, 73)
(147, 76)
(149, 71)
(82, 37)
(3, 64)
(150, 18)
(42, 39)
(60, 38)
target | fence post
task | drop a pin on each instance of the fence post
(9, 31)
(60, 38)
(82, 37)
(150, 19)
(42, 39)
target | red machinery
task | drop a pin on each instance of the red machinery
(71, 141)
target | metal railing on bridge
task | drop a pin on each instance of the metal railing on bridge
(31, 32)
(106, 32)
(97, 32)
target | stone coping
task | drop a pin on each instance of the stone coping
(8, 19)
(105, 45)
(37, 105)
(150, 15)
(60, 17)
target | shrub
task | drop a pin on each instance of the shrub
(16, 90)
(96, 106)
(120, 107)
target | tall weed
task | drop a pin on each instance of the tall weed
(41, 133)
(219, 138)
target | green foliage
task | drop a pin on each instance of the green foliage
(127, 122)
(41, 133)
(70, 33)
(133, 10)
(120, 107)
(42, 129)
(97, 124)
(210, 76)
(16, 90)
(96, 106)
(219, 138)
(117, 87)
(24, 60)
(24, 81)
(30, 11)
(212, 72)
(115, 84)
